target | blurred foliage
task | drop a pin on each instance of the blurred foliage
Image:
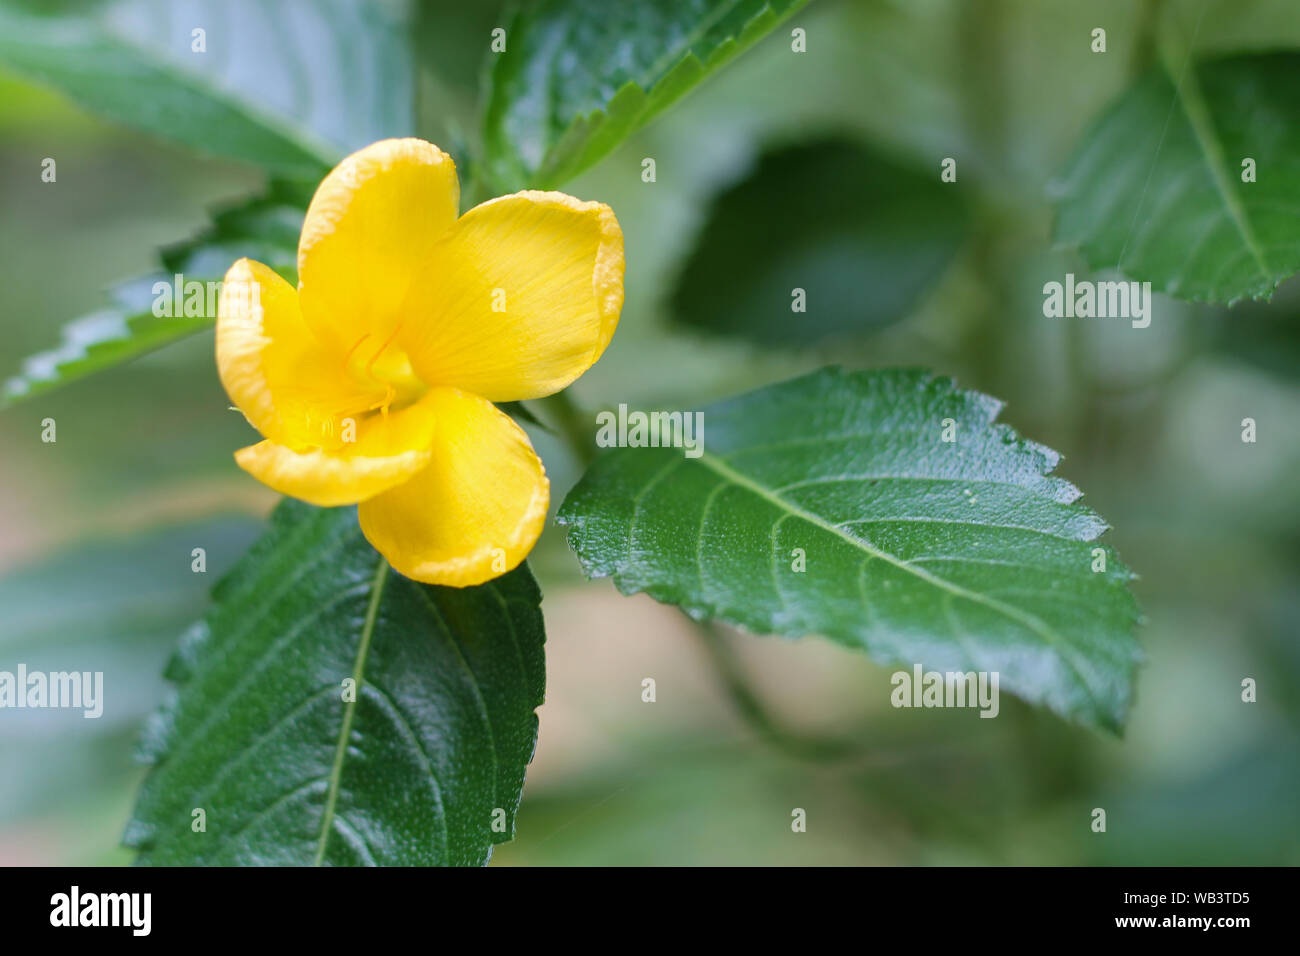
(807, 217)
(1199, 198)
(155, 310)
(112, 604)
(1148, 421)
(223, 78)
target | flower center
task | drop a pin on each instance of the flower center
(380, 368)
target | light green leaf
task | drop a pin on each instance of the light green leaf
(1155, 187)
(291, 86)
(288, 766)
(578, 76)
(126, 329)
(869, 239)
(831, 504)
(146, 314)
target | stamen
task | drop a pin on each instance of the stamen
(352, 351)
(387, 342)
(390, 393)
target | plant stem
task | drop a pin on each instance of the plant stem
(750, 706)
(1145, 47)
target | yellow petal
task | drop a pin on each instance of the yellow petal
(289, 388)
(476, 509)
(522, 295)
(388, 450)
(368, 235)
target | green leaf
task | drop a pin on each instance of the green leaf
(264, 227)
(126, 329)
(136, 321)
(862, 237)
(962, 555)
(579, 76)
(1154, 188)
(288, 771)
(291, 86)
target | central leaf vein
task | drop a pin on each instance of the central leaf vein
(349, 709)
(1030, 621)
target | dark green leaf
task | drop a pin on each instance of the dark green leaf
(145, 314)
(959, 556)
(291, 86)
(862, 237)
(578, 76)
(287, 771)
(1155, 188)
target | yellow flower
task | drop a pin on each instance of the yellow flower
(373, 381)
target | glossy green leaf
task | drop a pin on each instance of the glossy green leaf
(147, 313)
(291, 86)
(1155, 187)
(289, 766)
(579, 76)
(831, 504)
(860, 236)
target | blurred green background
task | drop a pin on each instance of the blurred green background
(98, 527)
